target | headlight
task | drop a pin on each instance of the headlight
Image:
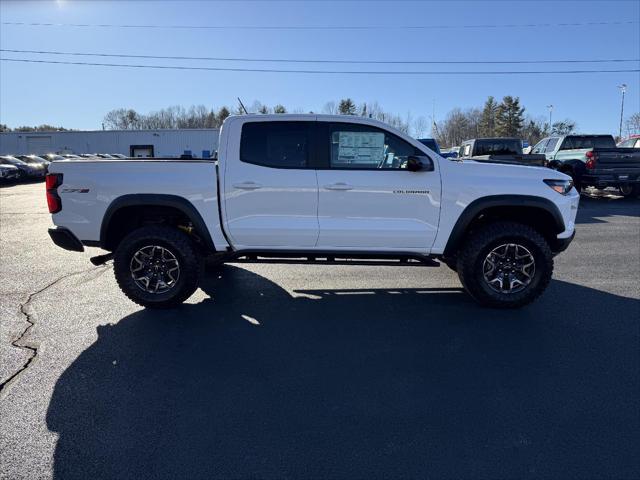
(561, 186)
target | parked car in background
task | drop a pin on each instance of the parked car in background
(632, 142)
(431, 143)
(9, 172)
(499, 150)
(69, 156)
(34, 160)
(28, 170)
(118, 155)
(593, 160)
(52, 157)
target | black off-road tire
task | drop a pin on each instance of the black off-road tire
(576, 180)
(176, 242)
(473, 253)
(630, 191)
(452, 263)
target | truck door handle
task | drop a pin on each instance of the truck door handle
(247, 185)
(338, 186)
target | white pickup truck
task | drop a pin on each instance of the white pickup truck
(315, 189)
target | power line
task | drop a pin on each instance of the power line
(322, 27)
(290, 60)
(340, 72)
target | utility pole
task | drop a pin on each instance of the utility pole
(550, 107)
(623, 88)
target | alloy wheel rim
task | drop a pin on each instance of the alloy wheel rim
(509, 268)
(155, 269)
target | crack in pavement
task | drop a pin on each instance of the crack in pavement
(27, 310)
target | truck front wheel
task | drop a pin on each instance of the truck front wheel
(505, 265)
(157, 266)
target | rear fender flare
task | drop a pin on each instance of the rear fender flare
(160, 200)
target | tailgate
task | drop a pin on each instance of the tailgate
(623, 159)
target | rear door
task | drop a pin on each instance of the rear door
(270, 187)
(368, 200)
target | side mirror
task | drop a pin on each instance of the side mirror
(417, 163)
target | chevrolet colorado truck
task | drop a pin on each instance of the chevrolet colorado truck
(314, 189)
(593, 160)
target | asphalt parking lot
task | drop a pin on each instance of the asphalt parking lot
(319, 371)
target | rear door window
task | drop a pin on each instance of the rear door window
(276, 144)
(498, 146)
(579, 142)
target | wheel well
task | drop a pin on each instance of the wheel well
(128, 218)
(537, 218)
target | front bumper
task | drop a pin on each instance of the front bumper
(63, 238)
(561, 244)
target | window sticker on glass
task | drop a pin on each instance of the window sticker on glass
(360, 148)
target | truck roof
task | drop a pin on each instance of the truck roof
(311, 117)
(493, 138)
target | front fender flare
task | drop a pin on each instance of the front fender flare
(475, 208)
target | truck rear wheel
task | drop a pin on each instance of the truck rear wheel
(629, 191)
(157, 266)
(505, 265)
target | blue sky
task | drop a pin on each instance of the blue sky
(79, 96)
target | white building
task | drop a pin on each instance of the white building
(201, 143)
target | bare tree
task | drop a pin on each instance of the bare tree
(632, 125)
(420, 127)
(330, 108)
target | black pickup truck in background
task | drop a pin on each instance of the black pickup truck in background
(499, 150)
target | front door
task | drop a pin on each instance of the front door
(271, 191)
(368, 200)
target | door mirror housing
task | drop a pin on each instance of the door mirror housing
(417, 163)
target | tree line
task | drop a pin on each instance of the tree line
(505, 118)
(200, 116)
(40, 128)
(497, 119)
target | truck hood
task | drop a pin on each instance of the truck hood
(510, 171)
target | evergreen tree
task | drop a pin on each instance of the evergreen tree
(487, 127)
(222, 114)
(509, 117)
(279, 109)
(347, 107)
(564, 127)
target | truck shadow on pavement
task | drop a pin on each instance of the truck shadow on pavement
(257, 383)
(595, 209)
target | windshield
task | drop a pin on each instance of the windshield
(630, 143)
(29, 160)
(579, 142)
(11, 161)
(430, 143)
(498, 146)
